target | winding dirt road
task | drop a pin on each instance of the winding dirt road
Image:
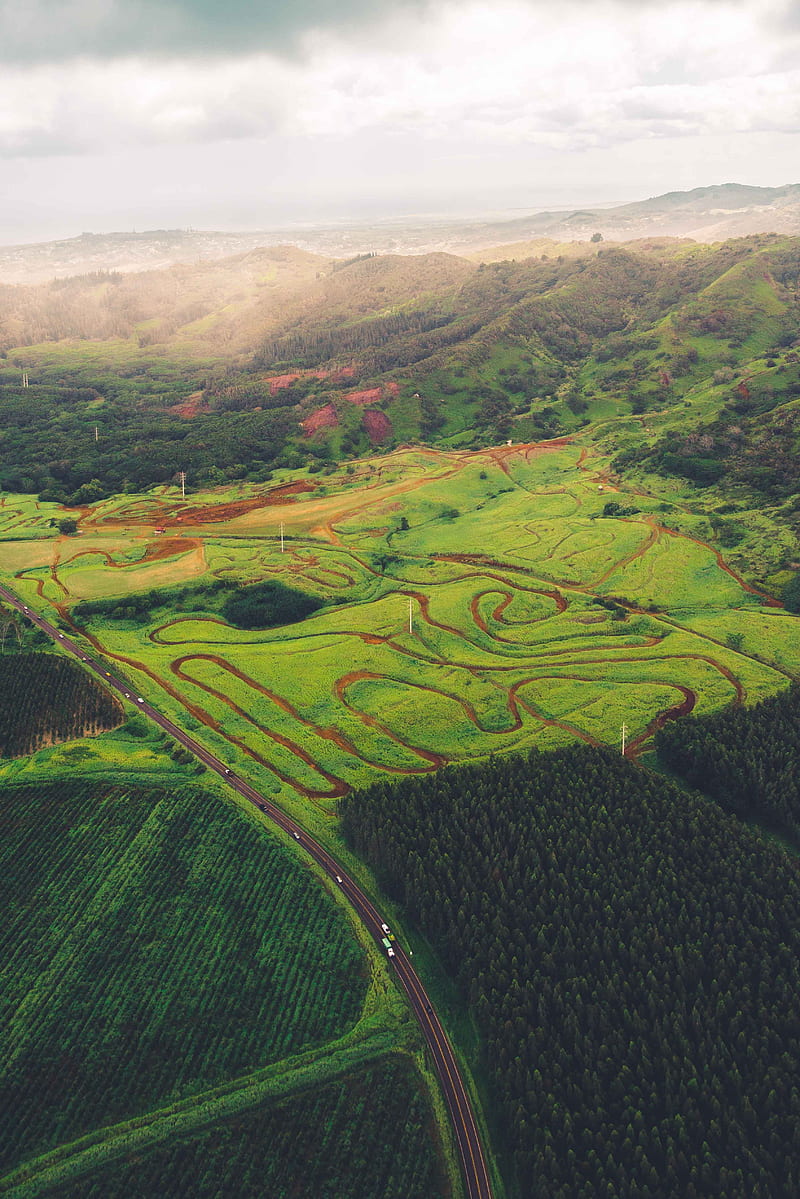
(473, 1162)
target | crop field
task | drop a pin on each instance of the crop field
(365, 1136)
(157, 948)
(474, 603)
(46, 699)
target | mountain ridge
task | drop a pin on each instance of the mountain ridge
(712, 213)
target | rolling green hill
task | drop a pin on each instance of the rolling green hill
(277, 357)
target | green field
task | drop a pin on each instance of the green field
(365, 1136)
(179, 987)
(475, 603)
(155, 945)
(44, 699)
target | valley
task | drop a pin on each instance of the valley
(351, 526)
(474, 602)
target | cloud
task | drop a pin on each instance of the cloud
(56, 30)
(518, 74)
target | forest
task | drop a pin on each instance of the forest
(747, 758)
(637, 1009)
(45, 699)
(265, 605)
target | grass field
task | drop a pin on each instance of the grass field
(477, 603)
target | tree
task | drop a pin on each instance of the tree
(67, 525)
(596, 237)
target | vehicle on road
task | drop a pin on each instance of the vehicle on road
(139, 699)
(338, 877)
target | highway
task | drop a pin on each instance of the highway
(473, 1162)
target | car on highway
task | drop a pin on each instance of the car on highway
(139, 699)
(296, 836)
(338, 877)
(385, 929)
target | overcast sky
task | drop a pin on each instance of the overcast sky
(121, 114)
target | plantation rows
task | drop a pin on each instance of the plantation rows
(45, 698)
(632, 958)
(154, 943)
(365, 1136)
(748, 759)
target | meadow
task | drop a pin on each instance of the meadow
(475, 602)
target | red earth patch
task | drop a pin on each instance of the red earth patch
(278, 382)
(323, 418)
(192, 406)
(378, 425)
(373, 394)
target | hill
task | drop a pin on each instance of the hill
(228, 369)
(704, 214)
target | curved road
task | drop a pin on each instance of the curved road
(473, 1163)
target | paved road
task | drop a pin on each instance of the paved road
(473, 1163)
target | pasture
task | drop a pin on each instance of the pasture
(475, 603)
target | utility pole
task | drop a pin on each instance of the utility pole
(182, 477)
(96, 434)
(25, 379)
(624, 735)
(281, 536)
(410, 615)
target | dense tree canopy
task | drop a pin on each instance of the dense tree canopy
(630, 954)
(747, 758)
(265, 605)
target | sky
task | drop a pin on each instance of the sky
(137, 114)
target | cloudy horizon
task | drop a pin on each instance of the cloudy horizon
(119, 116)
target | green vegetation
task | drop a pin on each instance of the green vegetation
(265, 605)
(45, 699)
(543, 611)
(155, 945)
(139, 607)
(630, 955)
(748, 759)
(365, 1136)
(484, 598)
(128, 388)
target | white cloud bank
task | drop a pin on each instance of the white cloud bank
(512, 74)
(384, 105)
